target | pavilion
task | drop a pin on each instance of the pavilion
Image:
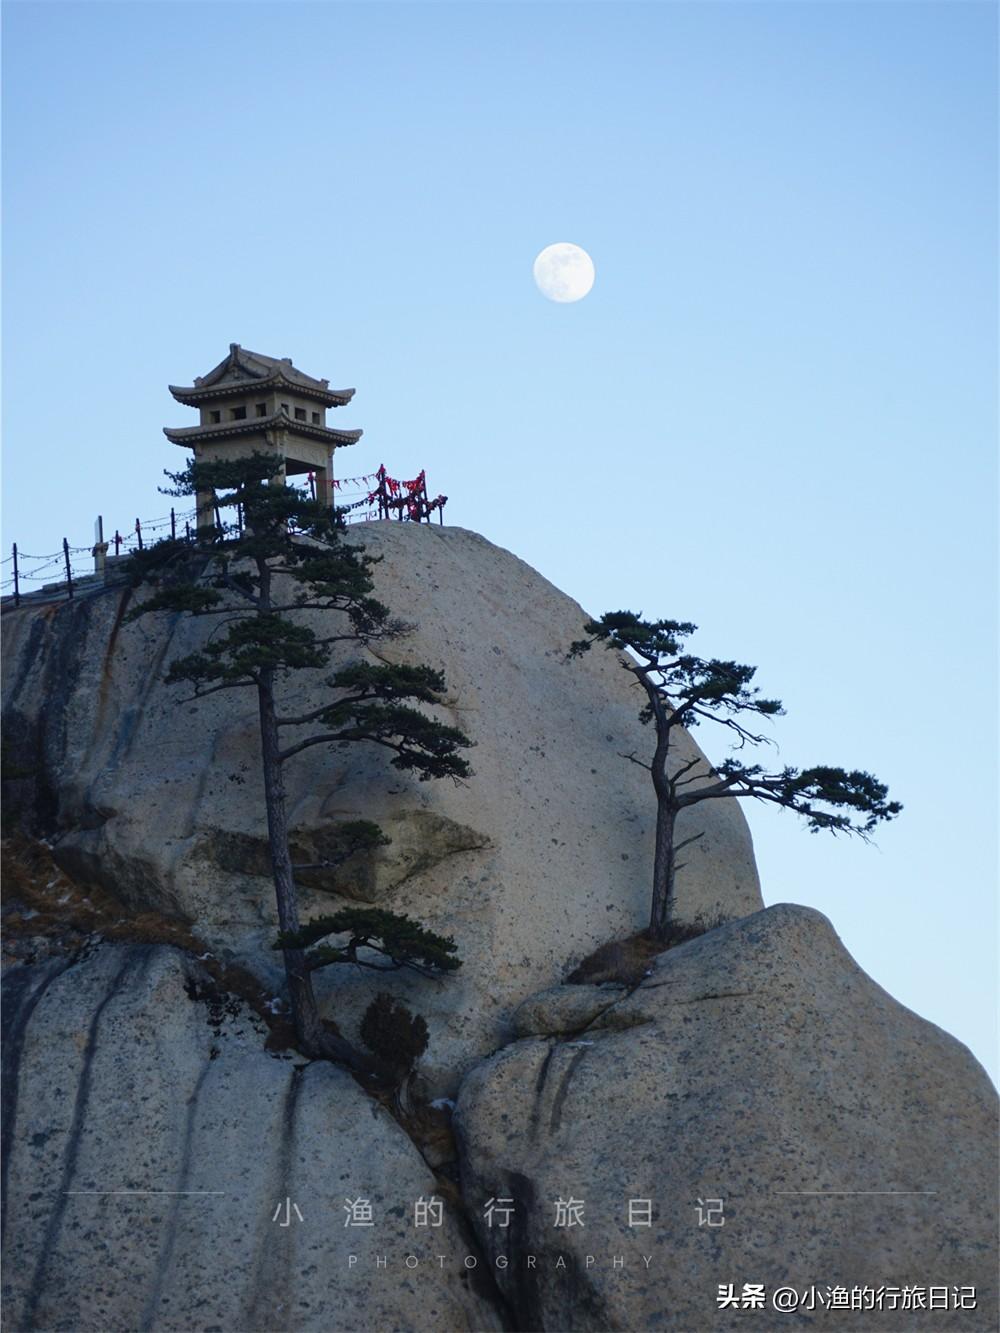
(251, 403)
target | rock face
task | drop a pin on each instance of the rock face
(543, 855)
(163, 1170)
(851, 1142)
(148, 1143)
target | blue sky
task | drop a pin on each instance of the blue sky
(774, 415)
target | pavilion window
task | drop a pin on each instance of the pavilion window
(300, 414)
(315, 417)
(284, 407)
(215, 416)
(262, 409)
(237, 413)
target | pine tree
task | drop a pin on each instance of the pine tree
(682, 691)
(276, 555)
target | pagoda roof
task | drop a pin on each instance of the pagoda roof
(245, 370)
(190, 435)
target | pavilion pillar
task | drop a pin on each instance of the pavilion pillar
(324, 484)
(205, 506)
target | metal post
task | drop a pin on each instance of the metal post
(118, 541)
(187, 532)
(138, 532)
(173, 525)
(17, 586)
(218, 519)
(100, 550)
(69, 572)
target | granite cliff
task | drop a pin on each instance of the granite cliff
(157, 1119)
(541, 856)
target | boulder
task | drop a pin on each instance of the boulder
(830, 1138)
(563, 1010)
(162, 1172)
(544, 854)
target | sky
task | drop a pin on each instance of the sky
(774, 415)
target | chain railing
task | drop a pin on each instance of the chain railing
(64, 568)
(379, 497)
(382, 496)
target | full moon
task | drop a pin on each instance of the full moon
(563, 272)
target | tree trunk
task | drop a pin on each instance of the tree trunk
(304, 1012)
(315, 1039)
(663, 905)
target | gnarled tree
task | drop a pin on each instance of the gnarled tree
(277, 555)
(682, 691)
